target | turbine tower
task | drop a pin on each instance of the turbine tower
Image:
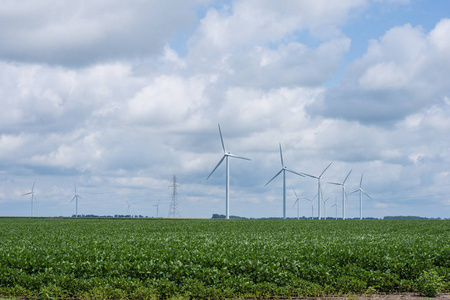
(32, 197)
(173, 210)
(344, 195)
(361, 191)
(226, 155)
(283, 170)
(76, 201)
(318, 186)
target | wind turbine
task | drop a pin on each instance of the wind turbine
(344, 195)
(32, 197)
(297, 201)
(76, 201)
(361, 191)
(129, 207)
(335, 205)
(157, 208)
(312, 206)
(283, 170)
(325, 208)
(318, 186)
(226, 155)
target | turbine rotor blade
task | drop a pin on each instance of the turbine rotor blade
(32, 189)
(325, 169)
(347, 176)
(312, 176)
(281, 156)
(360, 182)
(366, 194)
(27, 194)
(295, 194)
(223, 157)
(221, 139)
(293, 172)
(335, 183)
(240, 157)
(274, 177)
(74, 197)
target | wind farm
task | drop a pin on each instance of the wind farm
(297, 182)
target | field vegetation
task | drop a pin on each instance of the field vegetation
(217, 259)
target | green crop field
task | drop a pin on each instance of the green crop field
(158, 259)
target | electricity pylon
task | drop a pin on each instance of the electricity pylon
(173, 210)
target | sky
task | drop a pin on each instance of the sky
(115, 97)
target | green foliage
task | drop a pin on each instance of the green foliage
(429, 283)
(219, 259)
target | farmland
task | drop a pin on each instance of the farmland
(154, 259)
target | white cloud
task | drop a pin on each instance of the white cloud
(74, 33)
(400, 74)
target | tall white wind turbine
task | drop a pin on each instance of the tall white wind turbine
(361, 191)
(283, 170)
(318, 187)
(344, 195)
(32, 197)
(226, 155)
(76, 201)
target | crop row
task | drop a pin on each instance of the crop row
(154, 259)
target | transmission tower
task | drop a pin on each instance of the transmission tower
(173, 211)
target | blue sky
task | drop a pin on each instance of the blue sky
(115, 97)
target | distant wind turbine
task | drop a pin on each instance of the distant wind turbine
(33, 198)
(157, 208)
(226, 155)
(335, 205)
(325, 208)
(283, 170)
(129, 207)
(312, 206)
(361, 191)
(297, 201)
(344, 195)
(76, 201)
(318, 186)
